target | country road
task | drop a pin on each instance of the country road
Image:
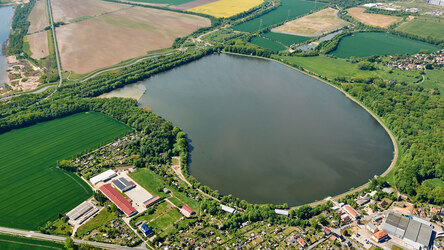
(47, 237)
(56, 48)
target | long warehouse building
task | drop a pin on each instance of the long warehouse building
(118, 199)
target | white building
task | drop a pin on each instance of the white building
(228, 209)
(281, 212)
(108, 174)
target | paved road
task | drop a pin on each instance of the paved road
(60, 238)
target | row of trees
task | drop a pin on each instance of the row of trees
(20, 25)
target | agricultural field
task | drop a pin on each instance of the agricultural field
(267, 43)
(38, 44)
(433, 80)
(226, 8)
(33, 191)
(378, 43)
(9, 242)
(285, 39)
(376, 20)
(192, 4)
(315, 24)
(424, 26)
(68, 10)
(38, 18)
(93, 43)
(163, 2)
(335, 68)
(288, 10)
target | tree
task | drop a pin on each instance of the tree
(69, 243)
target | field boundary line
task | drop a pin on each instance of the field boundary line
(29, 244)
(76, 182)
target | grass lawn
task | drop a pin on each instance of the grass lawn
(332, 68)
(288, 10)
(32, 190)
(176, 201)
(165, 220)
(9, 242)
(424, 26)
(99, 220)
(148, 180)
(192, 203)
(433, 79)
(435, 182)
(378, 43)
(285, 38)
(267, 43)
(160, 209)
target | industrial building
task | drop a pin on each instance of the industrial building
(123, 184)
(108, 174)
(118, 199)
(415, 232)
(81, 213)
(227, 209)
(281, 212)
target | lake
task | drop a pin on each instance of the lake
(6, 13)
(378, 43)
(267, 133)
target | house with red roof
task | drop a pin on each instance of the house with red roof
(187, 211)
(118, 199)
(302, 242)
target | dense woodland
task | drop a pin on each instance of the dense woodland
(20, 25)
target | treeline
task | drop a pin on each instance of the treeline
(415, 118)
(389, 12)
(20, 25)
(242, 47)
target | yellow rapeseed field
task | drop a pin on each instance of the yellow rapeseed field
(226, 8)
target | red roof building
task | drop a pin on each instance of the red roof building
(302, 242)
(118, 199)
(186, 210)
(351, 211)
(379, 236)
(151, 200)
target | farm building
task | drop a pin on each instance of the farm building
(81, 213)
(118, 199)
(352, 212)
(108, 174)
(123, 184)
(415, 232)
(371, 227)
(227, 209)
(187, 211)
(146, 230)
(151, 200)
(281, 212)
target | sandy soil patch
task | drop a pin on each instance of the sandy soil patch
(226, 8)
(315, 24)
(376, 20)
(109, 39)
(38, 17)
(192, 4)
(38, 44)
(22, 76)
(67, 10)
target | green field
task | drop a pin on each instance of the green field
(377, 43)
(435, 182)
(433, 80)
(285, 38)
(99, 220)
(289, 9)
(424, 26)
(169, 2)
(148, 180)
(32, 190)
(165, 220)
(333, 68)
(9, 242)
(267, 43)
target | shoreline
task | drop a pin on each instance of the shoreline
(392, 137)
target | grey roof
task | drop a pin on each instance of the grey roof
(122, 184)
(425, 235)
(412, 230)
(372, 226)
(79, 210)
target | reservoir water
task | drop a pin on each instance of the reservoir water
(6, 13)
(266, 133)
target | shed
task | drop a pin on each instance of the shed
(281, 212)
